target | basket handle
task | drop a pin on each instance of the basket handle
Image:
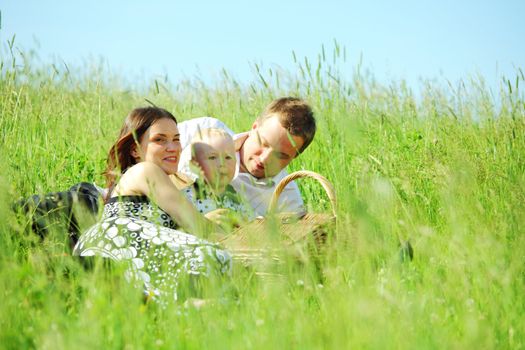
(327, 186)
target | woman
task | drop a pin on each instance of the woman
(144, 210)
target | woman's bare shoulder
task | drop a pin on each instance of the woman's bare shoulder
(143, 168)
(135, 180)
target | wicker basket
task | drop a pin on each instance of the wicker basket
(272, 239)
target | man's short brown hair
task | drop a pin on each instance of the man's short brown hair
(295, 115)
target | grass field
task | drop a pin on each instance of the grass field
(445, 170)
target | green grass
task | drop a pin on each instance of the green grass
(445, 170)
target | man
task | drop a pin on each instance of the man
(282, 132)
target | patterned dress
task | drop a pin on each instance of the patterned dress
(135, 231)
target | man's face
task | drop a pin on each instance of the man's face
(268, 148)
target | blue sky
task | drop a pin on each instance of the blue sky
(396, 39)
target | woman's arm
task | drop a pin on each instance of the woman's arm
(146, 178)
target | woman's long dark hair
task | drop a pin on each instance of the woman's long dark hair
(135, 125)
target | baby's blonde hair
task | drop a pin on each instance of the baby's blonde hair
(203, 135)
(206, 134)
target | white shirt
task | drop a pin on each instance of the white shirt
(257, 192)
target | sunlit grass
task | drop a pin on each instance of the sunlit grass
(445, 170)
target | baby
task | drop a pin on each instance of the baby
(211, 162)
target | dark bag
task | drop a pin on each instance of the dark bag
(69, 208)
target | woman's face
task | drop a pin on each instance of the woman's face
(160, 144)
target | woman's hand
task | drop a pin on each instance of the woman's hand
(227, 219)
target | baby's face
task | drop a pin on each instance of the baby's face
(215, 155)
